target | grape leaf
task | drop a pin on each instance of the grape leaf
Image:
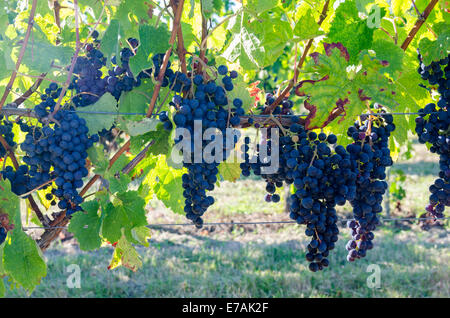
(126, 215)
(110, 41)
(240, 91)
(164, 182)
(162, 142)
(256, 43)
(98, 159)
(85, 226)
(23, 260)
(136, 128)
(141, 235)
(388, 51)
(348, 29)
(98, 122)
(258, 6)
(137, 100)
(9, 202)
(115, 219)
(152, 41)
(230, 171)
(126, 255)
(435, 50)
(343, 89)
(119, 184)
(306, 27)
(40, 54)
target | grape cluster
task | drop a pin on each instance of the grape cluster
(206, 104)
(20, 180)
(432, 127)
(370, 155)
(7, 134)
(321, 177)
(284, 108)
(3, 235)
(62, 146)
(89, 82)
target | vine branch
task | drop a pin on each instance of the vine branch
(292, 82)
(420, 21)
(21, 54)
(162, 71)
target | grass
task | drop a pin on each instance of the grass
(264, 260)
(181, 265)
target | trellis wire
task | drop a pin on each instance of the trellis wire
(18, 111)
(156, 225)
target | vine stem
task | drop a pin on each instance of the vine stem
(162, 71)
(31, 90)
(420, 21)
(21, 54)
(72, 65)
(292, 82)
(181, 50)
(204, 37)
(33, 204)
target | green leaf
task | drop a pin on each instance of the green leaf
(230, 171)
(136, 128)
(115, 219)
(152, 41)
(137, 100)
(207, 7)
(40, 54)
(141, 234)
(9, 202)
(86, 226)
(256, 43)
(306, 27)
(348, 29)
(164, 182)
(259, 6)
(240, 91)
(435, 50)
(110, 41)
(125, 255)
(388, 51)
(119, 184)
(343, 87)
(161, 138)
(97, 122)
(23, 260)
(127, 215)
(98, 159)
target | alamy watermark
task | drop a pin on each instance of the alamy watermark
(74, 278)
(374, 279)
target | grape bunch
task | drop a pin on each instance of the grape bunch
(321, 177)
(89, 81)
(432, 127)
(207, 104)
(370, 155)
(284, 108)
(3, 235)
(58, 151)
(7, 134)
(20, 180)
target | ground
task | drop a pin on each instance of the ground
(265, 260)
